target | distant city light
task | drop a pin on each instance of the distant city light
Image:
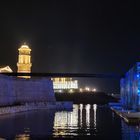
(64, 83)
(81, 90)
(94, 90)
(60, 91)
(71, 90)
(87, 88)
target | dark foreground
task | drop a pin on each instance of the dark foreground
(86, 98)
(84, 121)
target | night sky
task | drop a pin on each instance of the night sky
(75, 36)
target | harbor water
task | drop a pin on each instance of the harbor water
(89, 120)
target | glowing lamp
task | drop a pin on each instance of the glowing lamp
(81, 90)
(94, 90)
(87, 89)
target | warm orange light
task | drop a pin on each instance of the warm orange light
(64, 83)
(24, 60)
(87, 88)
(81, 90)
(94, 90)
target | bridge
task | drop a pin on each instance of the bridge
(86, 75)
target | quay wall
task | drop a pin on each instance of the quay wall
(35, 106)
(19, 90)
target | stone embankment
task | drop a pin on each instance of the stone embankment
(36, 106)
(20, 91)
(19, 94)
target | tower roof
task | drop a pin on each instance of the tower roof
(5, 69)
(25, 46)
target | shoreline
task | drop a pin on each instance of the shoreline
(86, 98)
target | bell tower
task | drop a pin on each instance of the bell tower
(24, 60)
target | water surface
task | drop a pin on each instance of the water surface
(83, 121)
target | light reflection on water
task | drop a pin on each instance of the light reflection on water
(22, 137)
(67, 123)
(88, 115)
(81, 109)
(95, 109)
(83, 120)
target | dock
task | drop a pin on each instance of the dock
(129, 116)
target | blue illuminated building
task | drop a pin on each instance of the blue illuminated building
(130, 88)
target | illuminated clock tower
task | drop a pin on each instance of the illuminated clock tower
(24, 60)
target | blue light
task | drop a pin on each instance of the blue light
(131, 86)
